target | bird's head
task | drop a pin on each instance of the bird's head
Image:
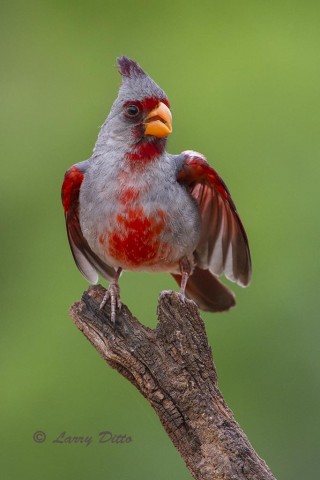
(140, 116)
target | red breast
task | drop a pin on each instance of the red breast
(136, 238)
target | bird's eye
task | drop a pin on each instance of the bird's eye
(132, 110)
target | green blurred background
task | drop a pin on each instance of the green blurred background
(243, 79)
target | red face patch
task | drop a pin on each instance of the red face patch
(152, 102)
(144, 150)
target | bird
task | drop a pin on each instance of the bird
(135, 207)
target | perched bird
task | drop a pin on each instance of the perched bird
(134, 206)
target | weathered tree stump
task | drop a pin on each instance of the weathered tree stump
(172, 367)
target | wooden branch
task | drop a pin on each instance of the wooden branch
(172, 367)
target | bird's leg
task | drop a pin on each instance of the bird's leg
(185, 269)
(113, 294)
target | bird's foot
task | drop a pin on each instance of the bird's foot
(112, 294)
(182, 296)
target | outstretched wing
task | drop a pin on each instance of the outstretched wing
(223, 245)
(87, 261)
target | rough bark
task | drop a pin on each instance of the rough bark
(172, 367)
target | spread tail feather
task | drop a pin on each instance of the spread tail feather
(207, 291)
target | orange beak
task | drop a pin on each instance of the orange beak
(159, 121)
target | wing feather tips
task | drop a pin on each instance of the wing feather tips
(237, 261)
(84, 266)
(242, 268)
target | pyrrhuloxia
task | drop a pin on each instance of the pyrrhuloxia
(134, 206)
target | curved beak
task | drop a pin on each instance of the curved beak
(159, 122)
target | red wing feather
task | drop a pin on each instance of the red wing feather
(223, 245)
(86, 260)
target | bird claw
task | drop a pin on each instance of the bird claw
(112, 294)
(182, 296)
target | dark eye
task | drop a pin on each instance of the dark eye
(133, 110)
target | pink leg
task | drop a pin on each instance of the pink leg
(185, 274)
(113, 294)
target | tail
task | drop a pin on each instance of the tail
(207, 291)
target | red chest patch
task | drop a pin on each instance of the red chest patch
(129, 195)
(137, 238)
